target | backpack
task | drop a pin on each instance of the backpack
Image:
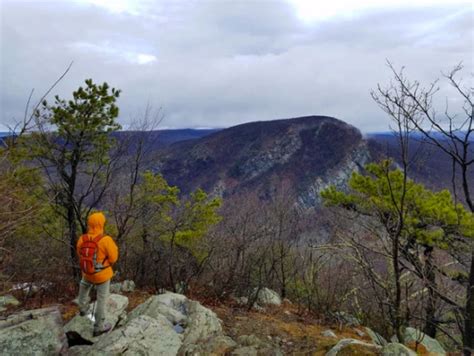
(88, 255)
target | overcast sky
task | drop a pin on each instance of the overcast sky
(217, 63)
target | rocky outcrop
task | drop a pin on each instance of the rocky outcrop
(115, 313)
(309, 153)
(34, 332)
(338, 176)
(396, 349)
(415, 336)
(141, 336)
(197, 322)
(172, 324)
(353, 346)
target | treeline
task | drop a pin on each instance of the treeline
(386, 249)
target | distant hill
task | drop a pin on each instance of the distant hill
(162, 138)
(306, 154)
(430, 165)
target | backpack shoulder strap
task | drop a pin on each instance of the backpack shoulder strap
(97, 238)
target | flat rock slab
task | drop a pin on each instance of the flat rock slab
(396, 349)
(33, 332)
(141, 336)
(114, 312)
(353, 346)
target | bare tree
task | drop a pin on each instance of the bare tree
(451, 134)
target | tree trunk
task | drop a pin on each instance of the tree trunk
(144, 258)
(398, 290)
(430, 308)
(71, 220)
(468, 337)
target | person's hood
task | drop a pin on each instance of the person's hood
(95, 224)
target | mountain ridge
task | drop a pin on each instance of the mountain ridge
(260, 156)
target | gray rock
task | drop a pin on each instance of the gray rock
(219, 345)
(328, 333)
(163, 305)
(120, 287)
(270, 351)
(348, 345)
(32, 287)
(79, 350)
(33, 332)
(431, 345)
(396, 349)
(268, 296)
(258, 308)
(115, 312)
(347, 319)
(240, 300)
(359, 333)
(245, 351)
(141, 336)
(377, 339)
(202, 323)
(199, 323)
(7, 300)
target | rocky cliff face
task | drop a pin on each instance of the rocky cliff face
(303, 154)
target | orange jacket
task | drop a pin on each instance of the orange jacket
(107, 249)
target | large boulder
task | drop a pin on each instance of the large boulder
(170, 305)
(198, 323)
(353, 346)
(268, 296)
(396, 349)
(33, 332)
(202, 323)
(415, 336)
(143, 335)
(114, 313)
(376, 337)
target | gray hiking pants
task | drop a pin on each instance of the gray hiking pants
(103, 291)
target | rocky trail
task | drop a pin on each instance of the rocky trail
(172, 324)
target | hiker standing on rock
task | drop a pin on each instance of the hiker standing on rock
(97, 253)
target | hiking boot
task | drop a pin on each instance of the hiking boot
(83, 312)
(105, 329)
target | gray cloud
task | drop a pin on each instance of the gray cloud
(219, 63)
